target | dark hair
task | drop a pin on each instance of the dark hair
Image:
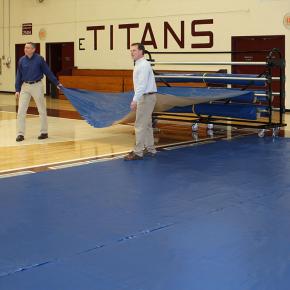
(140, 46)
(32, 44)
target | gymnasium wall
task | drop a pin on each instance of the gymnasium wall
(100, 28)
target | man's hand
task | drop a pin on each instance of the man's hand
(133, 106)
(60, 86)
(17, 94)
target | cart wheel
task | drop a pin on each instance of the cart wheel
(209, 126)
(275, 131)
(261, 133)
(194, 127)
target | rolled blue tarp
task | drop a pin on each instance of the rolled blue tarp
(216, 78)
(241, 111)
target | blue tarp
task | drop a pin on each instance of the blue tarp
(99, 109)
(104, 109)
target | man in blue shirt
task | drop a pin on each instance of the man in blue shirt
(31, 68)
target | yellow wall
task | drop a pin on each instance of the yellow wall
(66, 20)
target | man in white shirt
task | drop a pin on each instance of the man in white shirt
(143, 103)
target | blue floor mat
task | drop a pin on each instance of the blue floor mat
(213, 216)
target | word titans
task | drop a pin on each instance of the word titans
(148, 36)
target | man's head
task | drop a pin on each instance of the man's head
(29, 49)
(137, 50)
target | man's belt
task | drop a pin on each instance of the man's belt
(150, 93)
(32, 82)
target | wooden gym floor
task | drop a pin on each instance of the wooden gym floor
(71, 139)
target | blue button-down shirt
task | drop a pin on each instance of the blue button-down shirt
(32, 69)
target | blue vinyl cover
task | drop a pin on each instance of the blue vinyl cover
(99, 109)
(104, 109)
(206, 217)
(241, 111)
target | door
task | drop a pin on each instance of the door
(60, 58)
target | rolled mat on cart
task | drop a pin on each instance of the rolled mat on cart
(240, 111)
(217, 78)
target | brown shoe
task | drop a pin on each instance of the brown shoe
(147, 153)
(132, 156)
(19, 138)
(43, 136)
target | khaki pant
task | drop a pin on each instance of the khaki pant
(37, 92)
(143, 124)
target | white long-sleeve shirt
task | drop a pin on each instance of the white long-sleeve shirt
(143, 79)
